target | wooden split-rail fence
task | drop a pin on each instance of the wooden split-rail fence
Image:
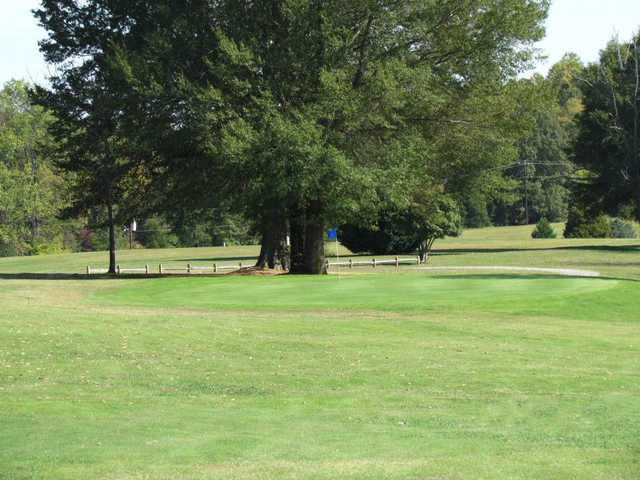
(374, 263)
(215, 268)
(164, 269)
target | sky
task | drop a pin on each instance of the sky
(585, 26)
(580, 26)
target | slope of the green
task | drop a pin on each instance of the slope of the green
(384, 292)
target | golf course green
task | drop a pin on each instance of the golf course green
(358, 375)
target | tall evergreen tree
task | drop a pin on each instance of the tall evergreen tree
(608, 143)
(87, 104)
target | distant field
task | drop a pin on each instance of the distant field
(509, 246)
(403, 375)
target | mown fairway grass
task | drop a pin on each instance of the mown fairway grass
(408, 375)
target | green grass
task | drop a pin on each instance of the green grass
(407, 375)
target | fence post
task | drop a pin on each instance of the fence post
(188, 268)
(397, 263)
(160, 269)
(373, 261)
(146, 269)
(118, 269)
(350, 263)
(215, 268)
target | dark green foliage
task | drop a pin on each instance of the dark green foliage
(544, 170)
(232, 229)
(622, 229)
(90, 104)
(391, 234)
(213, 228)
(543, 229)
(299, 113)
(475, 208)
(584, 223)
(297, 110)
(412, 229)
(99, 240)
(155, 233)
(608, 143)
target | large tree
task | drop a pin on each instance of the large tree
(301, 112)
(305, 112)
(88, 106)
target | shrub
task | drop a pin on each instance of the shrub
(49, 246)
(583, 224)
(543, 229)
(622, 229)
(402, 231)
(155, 234)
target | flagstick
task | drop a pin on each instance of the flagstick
(337, 256)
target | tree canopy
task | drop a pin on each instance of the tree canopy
(300, 113)
(88, 106)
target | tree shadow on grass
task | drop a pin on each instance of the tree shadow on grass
(631, 248)
(133, 276)
(521, 276)
(99, 276)
(217, 259)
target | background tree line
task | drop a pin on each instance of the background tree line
(35, 191)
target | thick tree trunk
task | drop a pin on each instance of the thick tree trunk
(424, 249)
(283, 255)
(112, 241)
(422, 252)
(307, 241)
(272, 248)
(266, 251)
(314, 249)
(297, 244)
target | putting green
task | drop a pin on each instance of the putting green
(361, 292)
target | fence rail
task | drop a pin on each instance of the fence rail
(95, 271)
(215, 268)
(374, 263)
(162, 269)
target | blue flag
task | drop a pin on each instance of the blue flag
(333, 233)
